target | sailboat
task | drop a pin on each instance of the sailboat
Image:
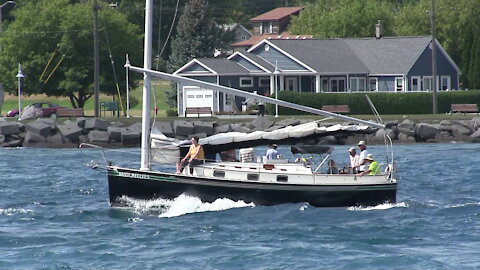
(258, 181)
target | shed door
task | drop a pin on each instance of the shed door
(197, 97)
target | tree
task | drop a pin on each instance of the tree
(341, 18)
(197, 36)
(48, 33)
(457, 27)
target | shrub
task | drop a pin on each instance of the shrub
(171, 113)
(385, 103)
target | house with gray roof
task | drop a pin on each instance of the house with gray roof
(383, 64)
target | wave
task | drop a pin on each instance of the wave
(463, 205)
(183, 204)
(383, 206)
(13, 211)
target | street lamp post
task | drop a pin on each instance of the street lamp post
(275, 75)
(20, 78)
(127, 65)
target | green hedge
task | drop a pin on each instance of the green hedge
(386, 103)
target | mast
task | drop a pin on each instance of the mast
(147, 63)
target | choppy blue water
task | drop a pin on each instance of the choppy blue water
(54, 214)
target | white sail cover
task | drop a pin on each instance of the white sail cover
(166, 150)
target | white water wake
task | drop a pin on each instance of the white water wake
(182, 205)
(384, 206)
(13, 211)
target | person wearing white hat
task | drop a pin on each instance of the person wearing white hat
(272, 152)
(352, 154)
(361, 159)
(373, 168)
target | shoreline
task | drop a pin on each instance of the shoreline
(49, 133)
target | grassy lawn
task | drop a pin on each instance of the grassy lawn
(158, 90)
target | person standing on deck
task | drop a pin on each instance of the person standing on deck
(354, 159)
(361, 166)
(272, 152)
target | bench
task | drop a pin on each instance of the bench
(336, 108)
(70, 112)
(464, 108)
(198, 111)
(109, 106)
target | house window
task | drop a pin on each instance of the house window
(373, 84)
(416, 83)
(357, 84)
(337, 85)
(445, 83)
(399, 84)
(263, 81)
(324, 85)
(291, 84)
(427, 83)
(246, 82)
(266, 27)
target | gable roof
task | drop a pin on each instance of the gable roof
(385, 56)
(323, 55)
(223, 66)
(234, 26)
(277, 14)
(388, 55)
(254, 59)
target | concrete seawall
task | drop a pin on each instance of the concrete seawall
(45, 132)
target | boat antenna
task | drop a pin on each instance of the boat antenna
(374, 110)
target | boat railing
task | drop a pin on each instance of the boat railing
(105, 161)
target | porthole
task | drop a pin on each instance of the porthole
(252, 176)
(219, 173)
(267, 47)
(282, 178)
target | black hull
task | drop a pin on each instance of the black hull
(148, 185)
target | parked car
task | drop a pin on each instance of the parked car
(42, 109)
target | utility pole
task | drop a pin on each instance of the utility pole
(96, 68)
(434, 61)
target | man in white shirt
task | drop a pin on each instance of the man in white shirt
(363, 154)
(352, 154)
(272, 152)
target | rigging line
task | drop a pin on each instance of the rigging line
(54, 69)
(48, 64)
(114, 72)
(159, 33)
(170, 31)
